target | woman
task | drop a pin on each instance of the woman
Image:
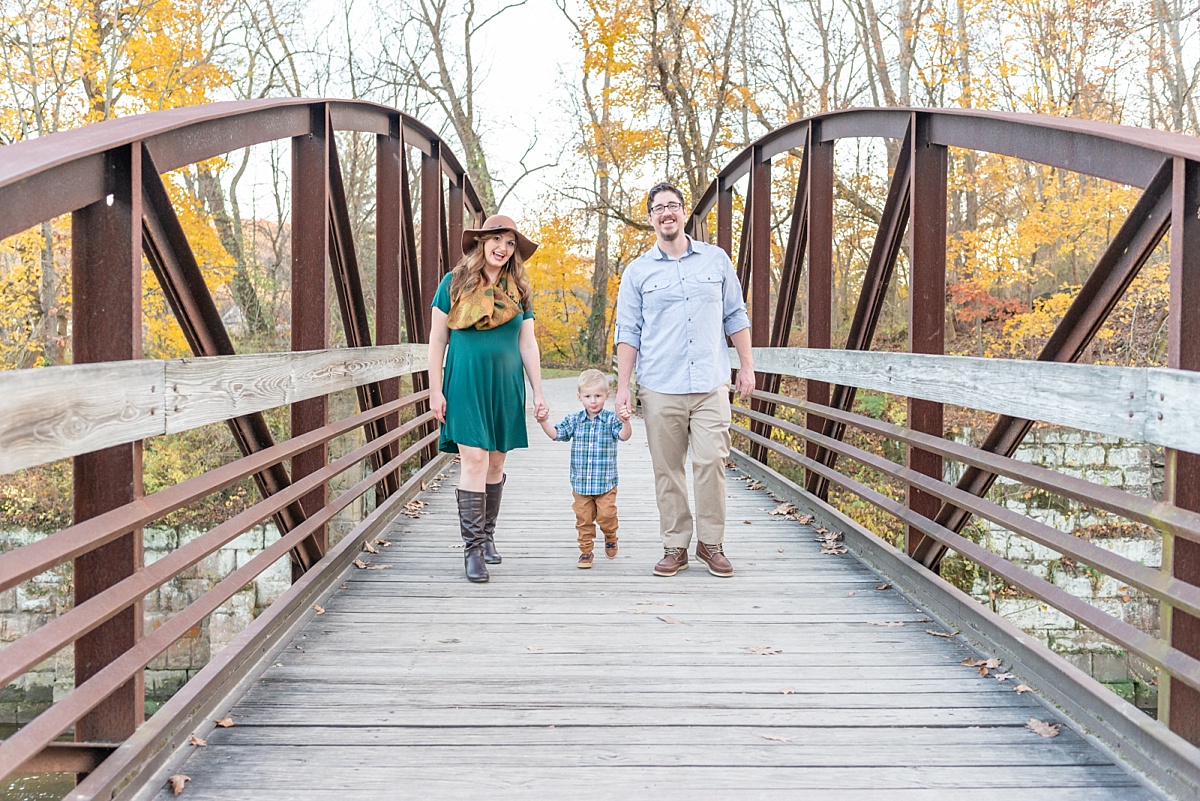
(482, 310)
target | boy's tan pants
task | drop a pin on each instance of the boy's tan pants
(673, 422)
(595, 509)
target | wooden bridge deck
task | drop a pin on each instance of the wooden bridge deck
(554, 682)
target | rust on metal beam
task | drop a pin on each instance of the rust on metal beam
(882, 263)
(927, 302)
(174, 265)
(1122, 260)
(106, 287)
(310, 311)
(1182, 485)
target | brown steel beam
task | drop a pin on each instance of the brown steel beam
(927, 303)
(1120, 263)
(106, 317)
(1182, 486)
(454, 224)
(310, 309)
(174, 264)
(759, 268)
(352, 302)
(388, 155)
(882, 263)
(725, 220)
(819, 325)
(432, 263)
(81, 758)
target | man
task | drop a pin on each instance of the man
(676, 305)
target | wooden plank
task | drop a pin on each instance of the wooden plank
(410, 673)
(52, 413)
(1120, 401)
(56, 412)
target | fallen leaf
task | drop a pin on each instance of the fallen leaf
(423, 486)
(886, 586)
(763, 650)
(890, 623)
(991, 664)
(341, 586)
(671, 620)
(177, 782)
(320, 609)
(850, 594)
(369, 548)
(451, 640)
(781, 549)
(804, 520)
(298, 648)
(1023, 688)
(1043, 728)
(196, 741)
(783, 509)
(639, 611)
(940, 633)
(775, 738)
(532, 648)
(379, 567)
(983, 671)
(655, 603)
(1004, 676)
(788, 691)
(360, 564)
(224, 723)
(754, 485)
(383, 543)
(747, 522)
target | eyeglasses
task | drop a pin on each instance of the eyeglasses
(661, 207)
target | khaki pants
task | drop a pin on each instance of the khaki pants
(593, 509)
(673, 422)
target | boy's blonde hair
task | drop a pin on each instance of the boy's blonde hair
(591, 378)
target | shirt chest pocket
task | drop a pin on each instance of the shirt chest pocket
(709, 287)
(658, 293)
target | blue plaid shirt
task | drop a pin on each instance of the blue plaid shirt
(593, 450)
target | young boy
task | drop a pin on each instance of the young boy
(593, 433)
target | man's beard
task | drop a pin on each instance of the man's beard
(671, 237)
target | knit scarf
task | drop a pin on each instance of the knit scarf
(488, 306)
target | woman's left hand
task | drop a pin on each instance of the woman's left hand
(541, 410)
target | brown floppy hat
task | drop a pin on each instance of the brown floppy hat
(499, 222)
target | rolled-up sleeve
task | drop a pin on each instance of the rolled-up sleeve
(734, 317)
(628, 328)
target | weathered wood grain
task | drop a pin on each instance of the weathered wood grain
(57, 412)
(1141, 404)
(554, 682)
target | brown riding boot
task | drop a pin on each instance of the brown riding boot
(494, 492)
(472, 507)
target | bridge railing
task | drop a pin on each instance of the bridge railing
(1142, 405)
(99, 410)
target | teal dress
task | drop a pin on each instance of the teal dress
(484, 384)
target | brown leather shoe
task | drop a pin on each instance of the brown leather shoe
(674, 560)
(714, 557)
(585, 561)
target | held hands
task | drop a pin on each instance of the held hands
(541, 411)
(624, 403)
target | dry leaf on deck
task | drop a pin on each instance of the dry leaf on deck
(196, 741)
(887, 586)
(369, 548)
(1023, 688)
(532, 648)
(775, 738)
(1043, 728)
(671, 620)
(360, 564)
(783, 509)
(320, 609)
(177, 782)
(788, 691)
(1004, 676)
(378, 567)
(804, 520)
(224, 723)
(384, 543)
(763, 650)
(889, 623)
(655, 603)
(781, 549)
(940, 633)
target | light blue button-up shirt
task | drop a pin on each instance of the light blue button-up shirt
(677, 313)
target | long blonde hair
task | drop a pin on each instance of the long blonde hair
(469, 274)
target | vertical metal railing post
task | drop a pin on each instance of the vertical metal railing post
(1179, 705)
(725, 218)
(927, 301)
(819, 325)
(106, 318)
(759, 276)
(310, 306)
(388, 152)
(432, 263)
